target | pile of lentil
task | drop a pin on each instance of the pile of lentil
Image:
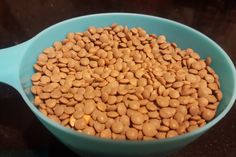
(121, 83)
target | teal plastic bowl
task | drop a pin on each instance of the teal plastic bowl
(16, 66)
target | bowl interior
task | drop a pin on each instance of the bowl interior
(180, 34)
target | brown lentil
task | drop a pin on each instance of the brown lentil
(149, 129)
(122, 83)
(117, 127)
(132, 134)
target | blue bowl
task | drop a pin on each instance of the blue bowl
(16, 64)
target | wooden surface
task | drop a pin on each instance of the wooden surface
(21, 134)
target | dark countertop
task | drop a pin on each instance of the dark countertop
(21, 134)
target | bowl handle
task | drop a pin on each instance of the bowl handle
(10, 60)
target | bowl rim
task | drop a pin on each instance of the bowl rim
(128, 142)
